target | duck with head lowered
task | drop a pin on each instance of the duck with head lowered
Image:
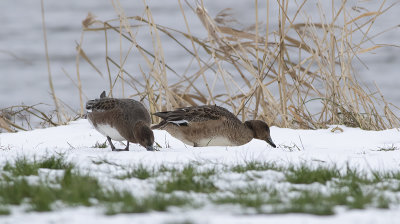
(121, 119)
(211, 126)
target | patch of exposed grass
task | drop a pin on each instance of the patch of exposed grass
(166, 169)
(388, 148)
(139, 171)
(78, 189)
(4, 211)
(24, 167)
(253, 196)
(354, 197)
(100, 145)
(188, 179)
(309, 202)
(356, 176)
(39, 196)
(245, 200)
(319, 203)
(383, 202)
(353, 189)
(74, 189)
(255, 165)
(157, 202)
(305, 174)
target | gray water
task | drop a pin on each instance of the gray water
(22, 57)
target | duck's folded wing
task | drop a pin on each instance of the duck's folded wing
(186, 115)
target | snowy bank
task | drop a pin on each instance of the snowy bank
(365, 150)
(349, 145)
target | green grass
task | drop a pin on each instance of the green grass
(255, 165)
(24, 167)
(245, 200)
(100, 145)
(4, 211)
(388, 148)
(304, 174)
(80, 190)
(73, 189)
(38, 196)
(180, 222)
(139, 171)
(309, 202)
(157, 202)
(353, 189)
(188, 179)
(297, 189)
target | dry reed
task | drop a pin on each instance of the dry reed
(53, 93)
(298, 76)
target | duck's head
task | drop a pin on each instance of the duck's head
(144, 135)
(260, 131)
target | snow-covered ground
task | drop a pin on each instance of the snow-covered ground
(352, 146)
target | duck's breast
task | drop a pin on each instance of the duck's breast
(109, 131)
(216, 141)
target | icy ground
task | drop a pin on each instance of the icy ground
(352, 146)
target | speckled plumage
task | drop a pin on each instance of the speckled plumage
(128, 117)
(211, 125)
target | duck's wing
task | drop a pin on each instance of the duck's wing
(184, 116)
(102, 104)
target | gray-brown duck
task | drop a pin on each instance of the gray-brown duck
(211, 126)
(121, 119)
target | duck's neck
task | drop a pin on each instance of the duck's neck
(245, 134)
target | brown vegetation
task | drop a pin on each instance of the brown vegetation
(296, 75)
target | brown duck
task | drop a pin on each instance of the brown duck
(121, 119)
(211, 126)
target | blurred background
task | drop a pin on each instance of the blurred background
(24, 76)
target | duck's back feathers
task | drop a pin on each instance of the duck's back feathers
(101, 104)
(129, 107)
(204, 126)
(186, 115)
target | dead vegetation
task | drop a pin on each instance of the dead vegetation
(298, 74)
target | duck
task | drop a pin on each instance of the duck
(211, 125)
(121, 120)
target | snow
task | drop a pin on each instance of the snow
(91, 215)
(352, 146)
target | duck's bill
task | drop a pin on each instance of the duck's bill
(269, 141)
(150, 148)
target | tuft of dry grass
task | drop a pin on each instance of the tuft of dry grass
(23, 118)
